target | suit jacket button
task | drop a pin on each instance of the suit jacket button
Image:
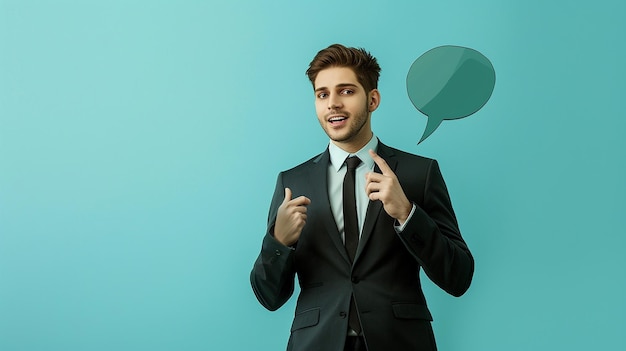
(343, 314)
(277, 252)
(355, 280)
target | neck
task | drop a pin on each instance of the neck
(355, 144)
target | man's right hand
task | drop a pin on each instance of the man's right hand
(290, 219)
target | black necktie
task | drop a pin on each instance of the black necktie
(350, 221)
(351, 229)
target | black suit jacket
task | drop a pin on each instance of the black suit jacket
(384, 278)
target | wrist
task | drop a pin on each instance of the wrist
(407, 210)
(406, 213)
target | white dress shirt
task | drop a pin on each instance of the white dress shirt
(336, 173)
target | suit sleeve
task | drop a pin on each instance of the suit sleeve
(432, 236)
(273, 274)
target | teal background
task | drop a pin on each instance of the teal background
(140, 143)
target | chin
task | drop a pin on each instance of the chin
(338, 137)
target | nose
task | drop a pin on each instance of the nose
(334, 102)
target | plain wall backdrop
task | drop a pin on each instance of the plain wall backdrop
(140, 143)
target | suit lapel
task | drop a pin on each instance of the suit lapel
(374, 208)
(318, 178)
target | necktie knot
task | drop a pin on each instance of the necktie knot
(352, 162)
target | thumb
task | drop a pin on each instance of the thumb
(287, 195)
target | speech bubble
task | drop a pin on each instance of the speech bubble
(449, 82)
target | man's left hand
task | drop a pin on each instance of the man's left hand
(386, 188)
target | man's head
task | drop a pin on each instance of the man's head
(362, 63)
(344, 81)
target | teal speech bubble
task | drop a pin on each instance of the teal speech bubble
(449, 82)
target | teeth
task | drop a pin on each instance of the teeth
(336, 119)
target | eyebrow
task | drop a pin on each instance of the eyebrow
(340, 85)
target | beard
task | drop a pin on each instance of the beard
(356, 124)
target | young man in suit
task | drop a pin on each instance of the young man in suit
(356, 224)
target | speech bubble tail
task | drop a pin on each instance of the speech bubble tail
(431, 126)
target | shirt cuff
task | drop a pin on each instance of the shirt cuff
(400, 227)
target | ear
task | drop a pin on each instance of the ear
(373, 100)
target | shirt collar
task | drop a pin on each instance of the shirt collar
(338, 155)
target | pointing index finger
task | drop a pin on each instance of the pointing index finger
(382, 164)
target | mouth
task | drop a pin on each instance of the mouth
(338, 119)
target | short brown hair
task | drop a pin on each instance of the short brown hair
(363, 64)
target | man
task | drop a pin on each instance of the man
(356, 231)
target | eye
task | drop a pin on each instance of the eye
(347, 92)
(322, 95)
